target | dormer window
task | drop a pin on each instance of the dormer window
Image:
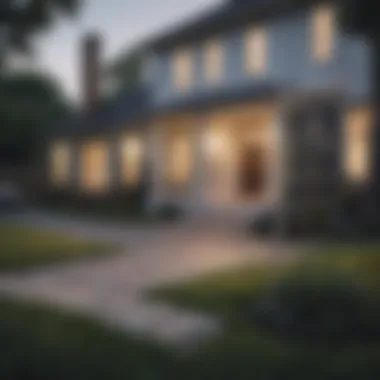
(323, 33)
(256, 51)
(182, 69)
(213, 61)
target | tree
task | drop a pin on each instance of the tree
(125, 71)
(30, 104)
(20, 20)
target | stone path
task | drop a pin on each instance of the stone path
(112, 289)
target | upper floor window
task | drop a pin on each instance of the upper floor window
(323, 33)
(213, 61)
(182, 69)
(256, 51)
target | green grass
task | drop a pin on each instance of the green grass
(24, 247)
(39, 343)
(244, 351)
(103, 214)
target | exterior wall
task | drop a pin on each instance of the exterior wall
(212, 187)
(291, 64)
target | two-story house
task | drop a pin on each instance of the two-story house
(209, 118)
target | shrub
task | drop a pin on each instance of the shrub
(323, 307)
(263, 225)
(169, 212)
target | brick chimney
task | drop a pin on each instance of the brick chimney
(91, 67)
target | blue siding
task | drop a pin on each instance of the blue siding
(290, 63)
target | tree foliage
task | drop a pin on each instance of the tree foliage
(20, 20)
(125, 71)
(30, 104)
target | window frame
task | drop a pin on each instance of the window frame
(182, 77)
(256, 64)
(125, 179)
(351, 143)
(320, 15)
(87, 184)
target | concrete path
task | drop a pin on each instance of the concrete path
(112, 289)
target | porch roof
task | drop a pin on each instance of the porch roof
(133, 108)
(129, 107)
(209, 100)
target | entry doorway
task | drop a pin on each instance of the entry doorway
(252, 171)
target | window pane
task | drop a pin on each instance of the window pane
(323, 32)
(95, 166)
(256, 51)
(132, 154)
(178, 157)
(182, 69)
(357, 149)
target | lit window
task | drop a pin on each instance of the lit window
(256, 51)
(132, 158)
(95, 166)
(323, 33)
(357, 147)
(182, 69)
(60, 163)
(179, 158)
(213, 61)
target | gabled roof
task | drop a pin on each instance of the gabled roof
(230, 15)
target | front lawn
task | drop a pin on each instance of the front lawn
(39, 343)
(24, 247)
(314, 288)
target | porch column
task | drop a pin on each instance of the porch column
(155, 165)
(114, 163)
(199, 179)
(75, 165)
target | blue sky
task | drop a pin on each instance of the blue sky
(122, 22)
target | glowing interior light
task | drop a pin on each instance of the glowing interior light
(214, 142)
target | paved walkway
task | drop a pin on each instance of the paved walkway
(112, 288)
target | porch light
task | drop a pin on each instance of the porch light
(132, 147)
(215, 142)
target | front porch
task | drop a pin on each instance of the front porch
(225, 161)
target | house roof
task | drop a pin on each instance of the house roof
(232, 14)
(135, 107)
(205, 101)
(129, 107)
